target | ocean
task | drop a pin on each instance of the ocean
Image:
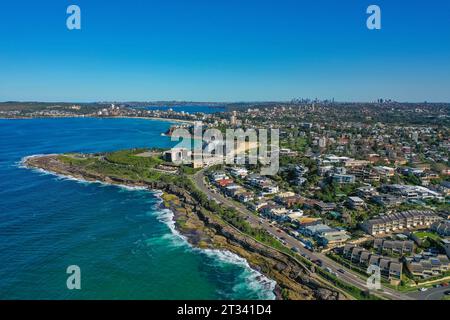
(123, 242)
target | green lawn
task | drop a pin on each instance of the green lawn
(132, 158)
(425, 234)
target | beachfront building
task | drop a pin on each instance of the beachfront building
(177, 155)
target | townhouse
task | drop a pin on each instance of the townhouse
(427, 265)
(399, 221)
(398, 247)
(442, 228)
(391, 268)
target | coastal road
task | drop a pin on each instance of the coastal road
(342, 273)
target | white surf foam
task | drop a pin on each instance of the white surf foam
(254, 279)
(21, 164)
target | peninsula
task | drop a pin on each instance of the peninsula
(201, 221)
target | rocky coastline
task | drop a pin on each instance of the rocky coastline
(205, 230)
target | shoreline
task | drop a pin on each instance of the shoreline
(220, 254)
(190, 122)
(203, 229)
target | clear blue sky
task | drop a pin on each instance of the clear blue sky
(224, 50)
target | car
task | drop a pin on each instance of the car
(423, 289)
(447, 293)
(294, 249)
(445, 284)
(437, 286)
(341, 270)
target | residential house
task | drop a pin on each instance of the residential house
(385, 171)
(291, 201)
(325, 206)
(224, 182)
(387, 200)
(366, 192)
(355, 203)
(239, 172)
(246, 197)
(275, 212)
(343, 178)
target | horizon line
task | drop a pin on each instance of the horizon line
(316, 100)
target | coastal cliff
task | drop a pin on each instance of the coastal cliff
(201, 227)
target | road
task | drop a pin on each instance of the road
(430, 294)
(347, 276)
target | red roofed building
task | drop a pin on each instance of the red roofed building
(224, 182)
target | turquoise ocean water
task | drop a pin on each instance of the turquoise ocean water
(123, 242)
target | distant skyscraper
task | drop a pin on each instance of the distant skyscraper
(415, 136)
(233, 119)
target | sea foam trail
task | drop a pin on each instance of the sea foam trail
(255, 280)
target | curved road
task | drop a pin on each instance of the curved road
(347, 275)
